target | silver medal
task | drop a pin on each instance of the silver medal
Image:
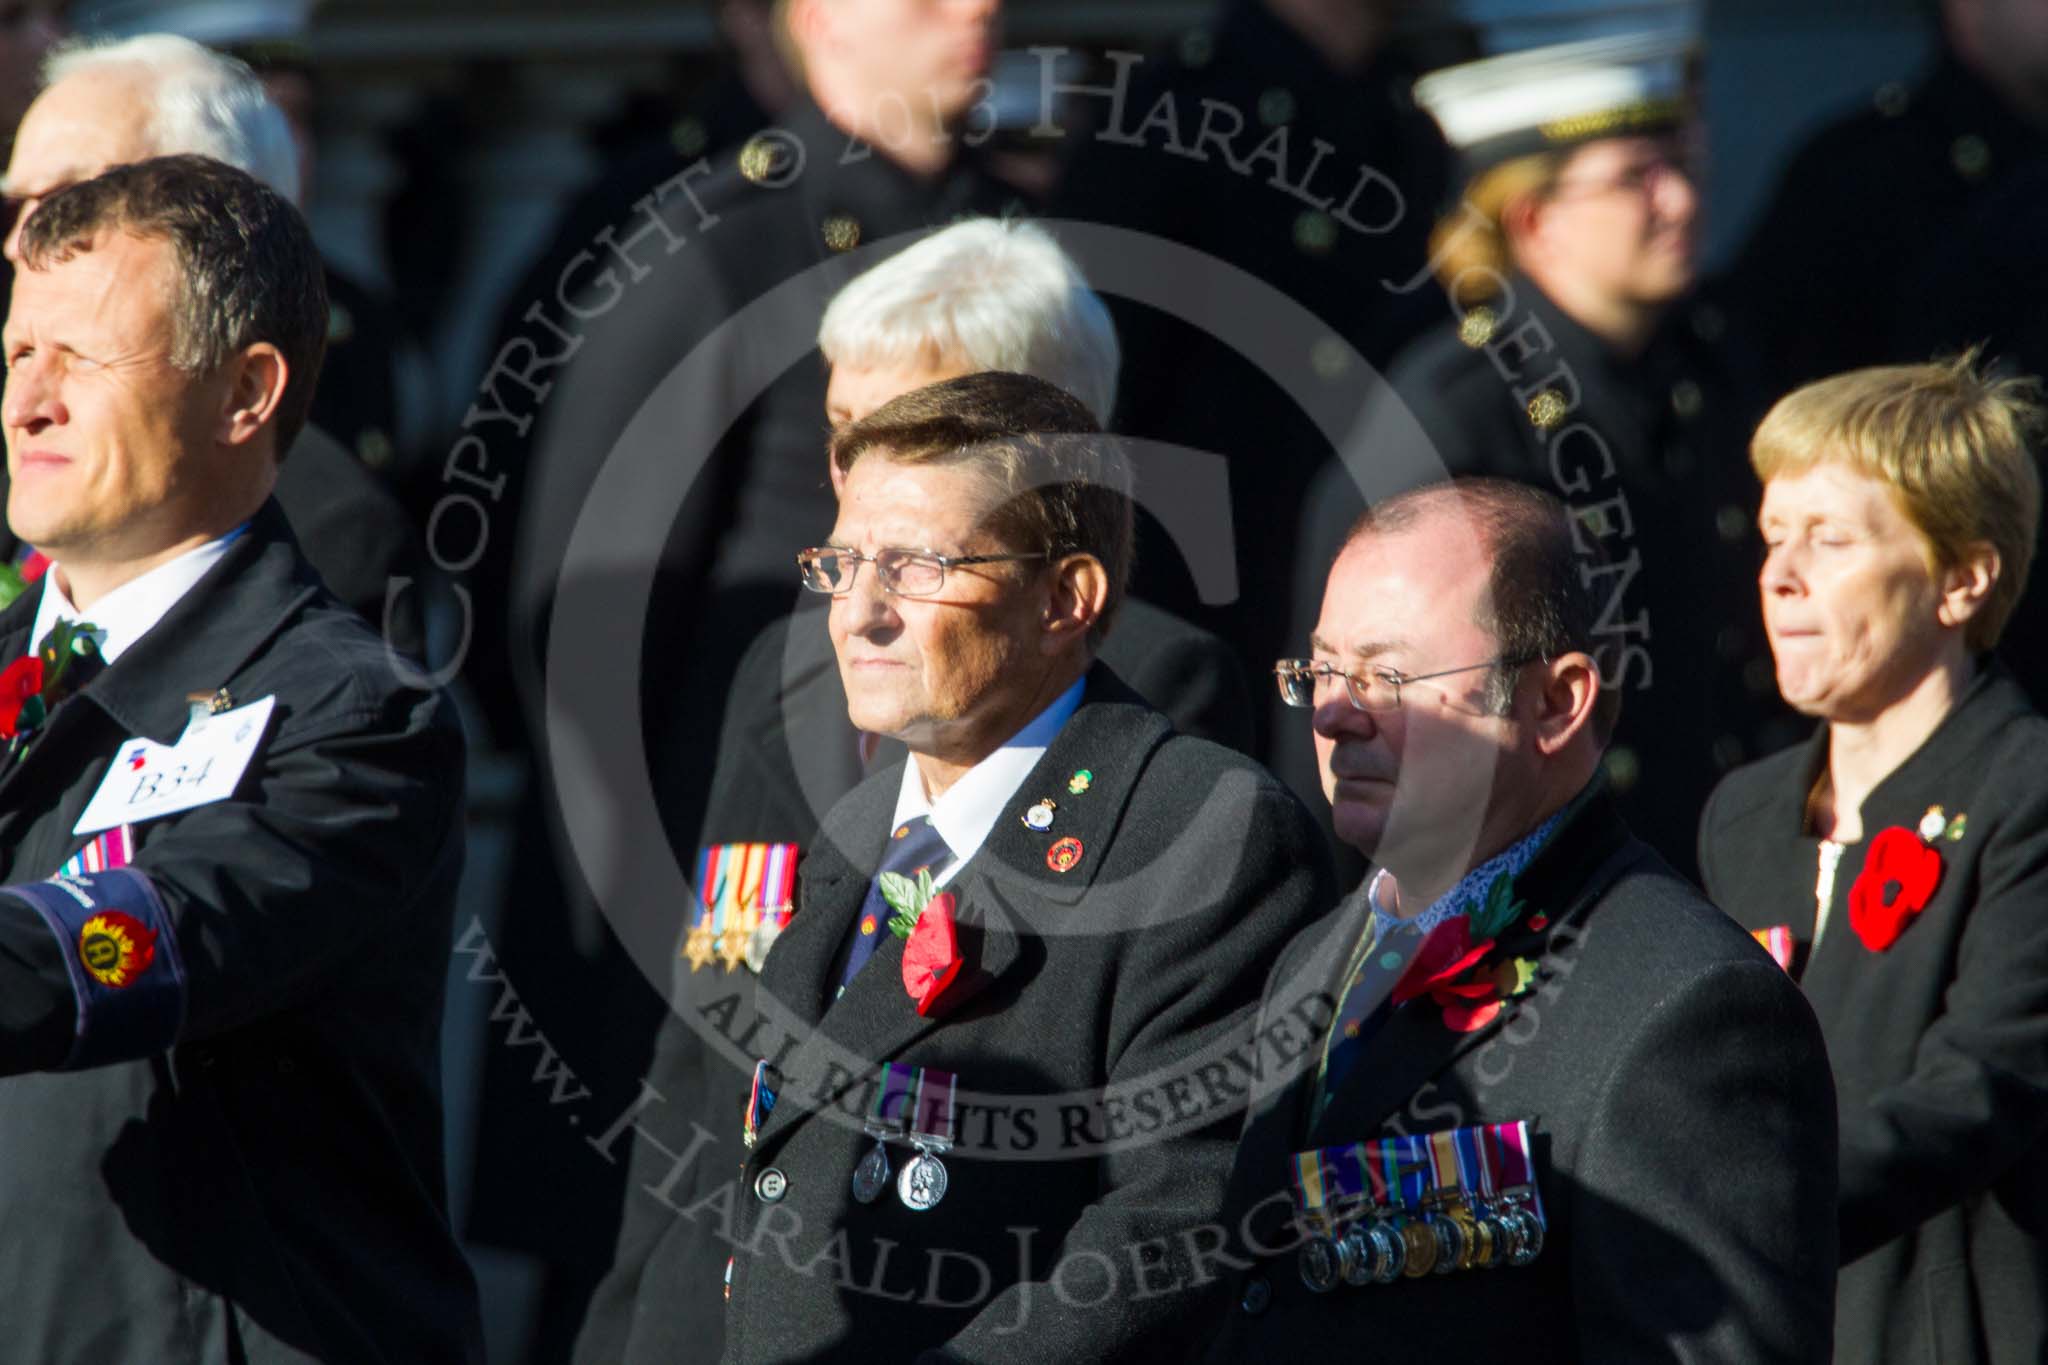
(1318, 1263)
(871, 1176)
(922, 1183)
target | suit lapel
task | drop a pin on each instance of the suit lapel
(830, 889)
(998, 892)
(1312, 965)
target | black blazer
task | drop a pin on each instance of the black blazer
(787, 753)
(266, 1185)
(1125, 975)
(1939, 1042)
(1684, 1123)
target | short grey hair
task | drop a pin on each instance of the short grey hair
(991, 293)
(205, 103)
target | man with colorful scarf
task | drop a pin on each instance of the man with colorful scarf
(1553, 1105)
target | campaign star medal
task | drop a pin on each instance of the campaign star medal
(1080, 782)
(697, 946)
(1039, 817)
(732, 944)
(922, 1183)
(1064, 855)
(745, 895)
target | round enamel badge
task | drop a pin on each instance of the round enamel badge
(115, 948)
(1062, 856)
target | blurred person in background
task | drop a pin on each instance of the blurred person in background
(1570, 362)
(1843, 268)
(107, 103)
(1335, 206)
(1897, 862)
(28, 29)
(980, 295)
(369, 350)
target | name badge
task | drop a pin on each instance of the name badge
(205, 765)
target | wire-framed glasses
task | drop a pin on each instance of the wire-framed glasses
(907, 573)
(1373, 689)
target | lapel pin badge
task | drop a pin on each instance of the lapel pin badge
(1039, 817)
(1063, 856)
(1081, 781)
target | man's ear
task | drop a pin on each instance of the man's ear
(256, 384)
(1966, 585)
(1566, 700)
(1075, 602)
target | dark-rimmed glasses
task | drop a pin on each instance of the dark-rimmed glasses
(907, 573)
(1375, 689)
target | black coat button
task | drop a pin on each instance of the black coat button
(771, 1185)
(1258, 1296)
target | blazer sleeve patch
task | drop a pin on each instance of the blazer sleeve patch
(122, 955)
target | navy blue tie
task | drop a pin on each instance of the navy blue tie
(913, 846)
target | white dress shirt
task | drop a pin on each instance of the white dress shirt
(971, 806)
(126, 614)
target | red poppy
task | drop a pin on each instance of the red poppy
(1471, 1018)
(931, 957)
(21, 681)
(1446, 954)
(1898, 879)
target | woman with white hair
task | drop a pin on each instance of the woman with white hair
(984, 294)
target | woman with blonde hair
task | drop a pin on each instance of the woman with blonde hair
(1897, 862)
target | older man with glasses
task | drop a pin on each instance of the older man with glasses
(982, 294)
(1020, 960)
(1561, 1109)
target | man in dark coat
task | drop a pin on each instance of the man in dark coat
(1080, 900)
(807, 204)
(1553, 1105)
(979, 295)
(231, 837)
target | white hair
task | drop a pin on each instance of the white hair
(997, 294)
(204, 102)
